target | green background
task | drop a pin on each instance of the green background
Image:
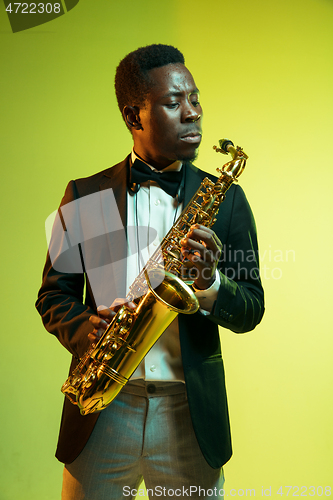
(265, 72)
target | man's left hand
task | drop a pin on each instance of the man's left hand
(203, 249)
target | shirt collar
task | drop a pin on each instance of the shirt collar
(175, 166)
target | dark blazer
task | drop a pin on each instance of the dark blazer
(239, 307)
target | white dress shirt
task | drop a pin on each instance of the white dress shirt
(154, 212)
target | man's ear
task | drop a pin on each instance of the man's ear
(131, 116)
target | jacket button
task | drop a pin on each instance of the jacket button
(151, 388)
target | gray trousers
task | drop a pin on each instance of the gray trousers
(146, 433)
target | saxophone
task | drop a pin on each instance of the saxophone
(160, 292)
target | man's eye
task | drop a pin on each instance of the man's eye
(195, 103)
(172, 105)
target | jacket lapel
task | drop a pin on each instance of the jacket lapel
(108, 279)
(192, 182)
(116, 179)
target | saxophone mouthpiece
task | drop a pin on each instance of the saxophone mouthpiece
(225, 144)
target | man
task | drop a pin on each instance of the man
(170, 423)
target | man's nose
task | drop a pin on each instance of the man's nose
(191, 113)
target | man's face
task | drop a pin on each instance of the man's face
(170, 119)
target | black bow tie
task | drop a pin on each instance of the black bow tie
(169, 181)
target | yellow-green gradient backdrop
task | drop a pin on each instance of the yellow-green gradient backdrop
(265, 70)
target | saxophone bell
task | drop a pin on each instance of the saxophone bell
(128, 338)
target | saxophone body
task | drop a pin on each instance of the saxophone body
(161, 292)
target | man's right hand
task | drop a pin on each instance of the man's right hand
(105, 315)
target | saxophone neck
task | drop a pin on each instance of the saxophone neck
(234, 168)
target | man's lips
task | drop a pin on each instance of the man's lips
(191, 137)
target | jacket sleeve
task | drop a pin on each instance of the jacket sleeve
(60, 298)
(240, 302)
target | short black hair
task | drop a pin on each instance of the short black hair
(132, 81)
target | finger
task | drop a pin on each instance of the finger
(99, 323)
(206, 236)
(95, 335)
(198, 228)
(198, 250)
(105, 313)
(204, 233)
(200, 264)
(205, 264)
(118, 303)
(190, 257)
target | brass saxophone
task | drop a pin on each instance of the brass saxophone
(106, 367)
